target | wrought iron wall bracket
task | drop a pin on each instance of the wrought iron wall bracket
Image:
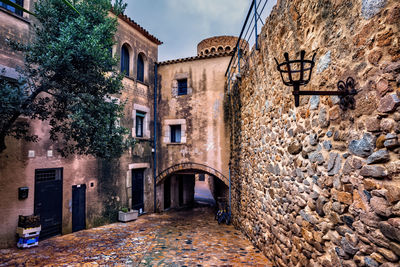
(298, 72)
(346, 92)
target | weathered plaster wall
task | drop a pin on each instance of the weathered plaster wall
(205, 141)
(315, 185)
(112, 186)
(201, 109)
(21, 30)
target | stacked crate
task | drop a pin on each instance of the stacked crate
(28, 231)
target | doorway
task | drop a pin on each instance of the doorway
(138, 190)
(48, 201)
(78, 207)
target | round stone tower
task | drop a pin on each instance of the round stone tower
(219, 44)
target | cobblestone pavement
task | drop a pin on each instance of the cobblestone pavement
(176, 238)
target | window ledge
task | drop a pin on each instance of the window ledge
(175, 144)
(129, 78)
(144, 83)
(143, 138)
(15, 15)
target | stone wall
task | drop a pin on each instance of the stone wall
(217, 44)
(316, 185)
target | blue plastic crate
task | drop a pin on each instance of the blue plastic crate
(28, 240)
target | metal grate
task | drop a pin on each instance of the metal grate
(46, 175)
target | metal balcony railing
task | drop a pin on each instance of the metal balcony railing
(248, 38)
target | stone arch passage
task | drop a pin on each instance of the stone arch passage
(176, 185)
(191, 166)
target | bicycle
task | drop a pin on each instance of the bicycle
(223, 213)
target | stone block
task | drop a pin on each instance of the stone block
(390, 231)
(334, 164)
(388, 254)
(370, 8)
(380, 156)
(389, 103)
(372, 124)
(324, 62)
(295, 148)
(380, 206)
(362, 147)
(378, 172)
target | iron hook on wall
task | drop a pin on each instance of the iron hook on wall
(298, 72)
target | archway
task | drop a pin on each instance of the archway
(179, 185)
(194, 167)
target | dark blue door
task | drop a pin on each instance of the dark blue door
(48, 201)
(78, 207)
(138, 190)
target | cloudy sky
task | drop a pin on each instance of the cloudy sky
(182, 24)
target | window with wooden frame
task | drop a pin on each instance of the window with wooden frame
(182, 86)
(139, 123)
(176, 133)
(13, 9)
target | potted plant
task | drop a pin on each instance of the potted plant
(126, 215)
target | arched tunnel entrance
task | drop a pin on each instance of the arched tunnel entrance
(183, 184)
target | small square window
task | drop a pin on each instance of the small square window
(13, 9)
(182, 87)
(139, 123)
(175, 133)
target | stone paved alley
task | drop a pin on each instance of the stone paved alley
(176, 238)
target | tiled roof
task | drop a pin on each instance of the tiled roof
(179, 60)
(140, 29)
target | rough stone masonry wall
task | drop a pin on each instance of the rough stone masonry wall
(315, 185)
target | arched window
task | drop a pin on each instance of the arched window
(207, 51)
(213, 50)
(220, 49)
(125, 60)
(228, 48)
(140, 68)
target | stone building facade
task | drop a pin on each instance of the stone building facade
(317, 185)
(69, 185)
(190, 104)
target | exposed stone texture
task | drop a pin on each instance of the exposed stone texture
(324, 62)
(374, 171)
(381, 206)
(295, 148)
(334, 199)
(363, 147)
(334, 163)
(390, 231)
(373, 124)
(379, 156)
(314, 102)
(371, 7)
(389, 103)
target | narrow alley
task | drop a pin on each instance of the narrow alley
(189, 237)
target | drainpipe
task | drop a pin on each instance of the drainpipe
(155, 137)
(230, 209)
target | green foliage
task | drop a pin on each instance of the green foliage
(119, 7)
(71, 80)
(125, 210)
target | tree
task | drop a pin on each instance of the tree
(69, 81)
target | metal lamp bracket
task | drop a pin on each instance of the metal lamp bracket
(303, 69)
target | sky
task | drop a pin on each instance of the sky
(182, 24)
